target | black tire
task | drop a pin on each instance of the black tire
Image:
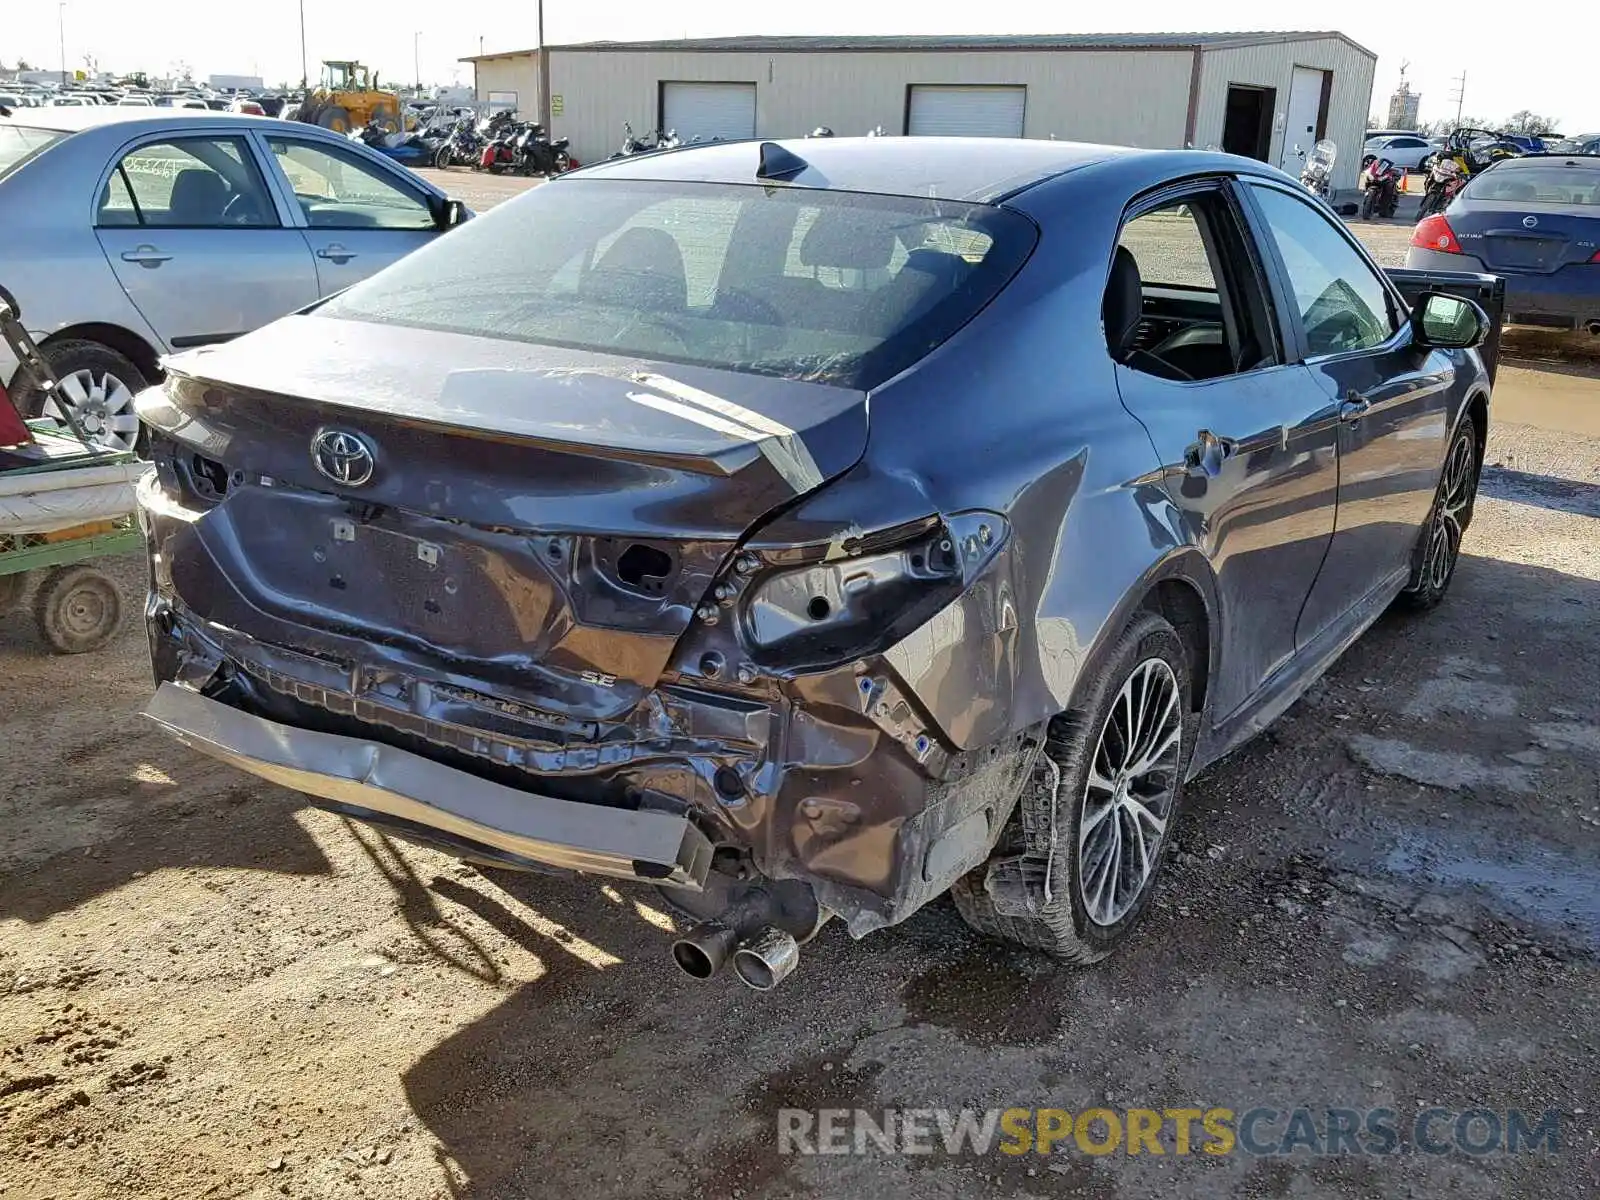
(77, 609)
(11, 588)
(1368, 203)
(69, 357)
(441, 158)
(1433, 563)
(1006, 897)
(334, 117)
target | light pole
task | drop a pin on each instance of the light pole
(305, 82)
(416, 67)
(61, 33)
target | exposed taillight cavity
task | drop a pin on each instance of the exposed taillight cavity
(1434, 233)
(1596, 258)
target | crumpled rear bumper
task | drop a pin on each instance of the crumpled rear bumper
(372, 779)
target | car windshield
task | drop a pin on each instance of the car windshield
(1538, 185)
(801, 283)
(18, 143)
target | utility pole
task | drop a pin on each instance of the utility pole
(305, 80)
(1461, 93)
(544, 71)
(416, 68)
(61, 33)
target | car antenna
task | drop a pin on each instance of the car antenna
(778, 163)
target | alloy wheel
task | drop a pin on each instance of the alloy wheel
(1128, 800)
(102, 404)
(1455, 497)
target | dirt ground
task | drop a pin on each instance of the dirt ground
(208, 989)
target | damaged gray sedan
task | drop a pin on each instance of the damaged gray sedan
(810, 529)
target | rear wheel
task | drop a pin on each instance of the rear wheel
(1439, 545)
(97, 384)
(1078, 865)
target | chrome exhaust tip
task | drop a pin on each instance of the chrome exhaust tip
(701, 951)
(766, 959)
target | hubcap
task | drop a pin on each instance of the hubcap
(1455, 494)
(103, 405)
(1128, 800)
(84, 612)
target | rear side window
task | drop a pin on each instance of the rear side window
(187, 183)
(1538, 185)
(835, 287)
(18, 143)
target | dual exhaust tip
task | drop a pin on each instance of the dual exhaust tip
(762, 960)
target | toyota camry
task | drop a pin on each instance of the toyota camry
(811, 528)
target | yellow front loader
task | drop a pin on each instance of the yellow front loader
(348, 98)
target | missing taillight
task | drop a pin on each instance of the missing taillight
(644, 567)
(209, 477)
(843, 607)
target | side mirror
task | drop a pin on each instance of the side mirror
(1448, 322)
(447, 214)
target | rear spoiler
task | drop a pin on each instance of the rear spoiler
(1489, 291)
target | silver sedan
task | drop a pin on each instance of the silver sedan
(127, 233)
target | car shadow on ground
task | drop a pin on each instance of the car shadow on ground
(1287, 888)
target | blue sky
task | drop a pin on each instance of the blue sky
(1539, 59)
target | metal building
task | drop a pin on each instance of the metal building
(1265, 95)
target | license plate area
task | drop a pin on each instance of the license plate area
(1524, 253)
(468, 591)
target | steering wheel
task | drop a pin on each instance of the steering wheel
(242, 209)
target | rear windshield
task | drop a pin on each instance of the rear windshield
(1554, 184)
(19, 143)
(834, 287)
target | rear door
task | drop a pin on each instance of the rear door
(1392, 398)
(191, 231)
(1246, 438)
(358, 215)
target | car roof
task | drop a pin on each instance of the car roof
(1577, 161)
(74, 118)
(945, 168)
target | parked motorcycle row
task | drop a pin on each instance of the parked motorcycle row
(499, 144)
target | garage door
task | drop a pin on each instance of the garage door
(709, 110)
(966, 111)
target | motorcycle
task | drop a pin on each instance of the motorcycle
(522, 148)
(1445, 179)
(462, 146)
(1317, 174)
(1380, 187)
(654, 140)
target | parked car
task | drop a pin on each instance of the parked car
(568, 541)
(127, 233)
(1408, 151)
(1534, 221)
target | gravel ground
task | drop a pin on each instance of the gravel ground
(1387, 901)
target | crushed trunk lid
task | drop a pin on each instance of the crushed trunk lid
(544, 518)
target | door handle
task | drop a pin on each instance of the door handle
(1206, 454)
(145, 256)
(334, 252)
(1353, 408)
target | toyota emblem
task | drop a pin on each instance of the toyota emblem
(345, 458)
(1529, 222)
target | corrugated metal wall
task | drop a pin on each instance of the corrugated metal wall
(1128, 97)
(517, 73)
(1272, 65)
